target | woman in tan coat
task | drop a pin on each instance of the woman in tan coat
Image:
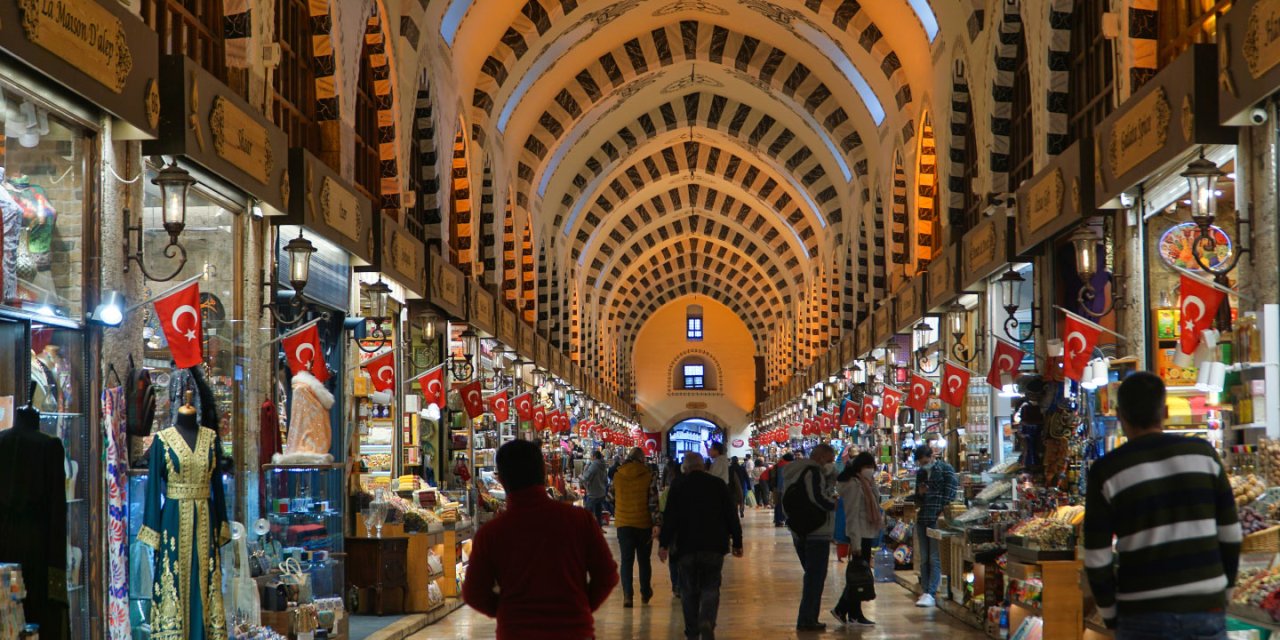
(863, 521)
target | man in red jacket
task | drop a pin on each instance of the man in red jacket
(542, 567)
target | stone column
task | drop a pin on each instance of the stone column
(1257, 276)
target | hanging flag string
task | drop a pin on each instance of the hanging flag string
(168, 291)
(1090, 323)
(961, 367)
(1210, 283)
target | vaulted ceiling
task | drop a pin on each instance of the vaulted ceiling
(666, 147)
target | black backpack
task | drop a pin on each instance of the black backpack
(803, 516)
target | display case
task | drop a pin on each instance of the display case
(305, 510)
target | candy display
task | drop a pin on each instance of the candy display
(1246, 488)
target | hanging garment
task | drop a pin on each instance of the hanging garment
(116, 446)
(310, 435)
(269, 424)
(10, 227)
(38, 217)
(33, 529)
(186, 533)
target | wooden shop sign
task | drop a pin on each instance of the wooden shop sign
(323, 202)
(846, 349)
(943, 276)
(1172, 113)
(1055, 199)
(205, 121)
(908, 305)
(404, 258)
(863, 335)
(481, 311)
(525, 345)
(508, 327)
(986, 249)
(1248, 58)
(98, 50)
(446, 286)
(543, 358)
(882, 323)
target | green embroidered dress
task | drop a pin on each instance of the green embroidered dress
(186, 529)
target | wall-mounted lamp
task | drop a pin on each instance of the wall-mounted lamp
(110, 311)
(1085, 246)
(1011, 283)
(299, 250)
(922, 334)
(174, 181)
(376, 294)
(956, 318)
(1202, 179)
(461, 367)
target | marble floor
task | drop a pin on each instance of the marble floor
(758, 600)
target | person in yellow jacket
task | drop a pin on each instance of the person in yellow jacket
(635, 500)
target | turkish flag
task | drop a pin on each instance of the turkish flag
(498, 406)
(1004, 362)
(828, 422)
(179, 316)
(539, 417)
(472, 399)
(955, 384)
(1199, 307)
(868, 410)
(807, 429)
(921, 387)
(850, 417)
(302, 352)
(524, 406)
(432, 383)
(890, 403)
(558, 422)
(1077, 346)
(382, 370)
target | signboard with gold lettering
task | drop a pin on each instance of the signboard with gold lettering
(508, 326)
(543, 357)
(909, 304)
(882, 323)
(1249, 59)
(446, 286)
(986, 248)
(525, 347)
(943, 276)
(1173, 112)
(402, 257)
(846, 349)
(863, 335)
(205, 121)
(96, 49)
(481, 313)
(324, 203)
(1055, 199)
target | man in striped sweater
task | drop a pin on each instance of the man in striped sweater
(1166, 502)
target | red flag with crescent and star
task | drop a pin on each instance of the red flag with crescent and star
(1199, 307)
(808, 427)
(382, 370)
(955, 384)
(890, 402)
(850, 417)
(499, 406)
(1004, 362)
(918, 397)
(828, 422)
(868, 410)
(302, 352)
(1077, 346)
(472, 399)
(179, 316)
(432, 383)
(539, 417)
(524, 406)
(652, 442)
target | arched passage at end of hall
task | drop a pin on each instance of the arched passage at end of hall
(692, 432)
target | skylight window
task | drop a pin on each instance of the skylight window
(925, 13)
(453, 19)
(832, 51)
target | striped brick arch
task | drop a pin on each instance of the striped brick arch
(961, 120)
(375, 40)
(710, 254)
(925, 229)
(653, 295)
(672, 220)
(424, 145)
(1144, 49)
(898, 246)
(1060, 14)
(753, 128)
(1008, 28)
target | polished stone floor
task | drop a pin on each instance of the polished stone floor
(758, 600)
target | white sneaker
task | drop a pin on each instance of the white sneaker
(926, 601)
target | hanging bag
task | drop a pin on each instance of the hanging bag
(298, 583)
(245, 605)
(858, 579)
(803, 516)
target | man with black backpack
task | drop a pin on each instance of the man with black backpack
(809, 502)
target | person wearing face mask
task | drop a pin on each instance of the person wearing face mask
(863, 521)
(939, 491)
(809, 502)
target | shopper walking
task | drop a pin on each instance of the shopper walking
(595, 481)
(776, 476)
(863, 522)
(739, 485)
(635, 498)
(675, 476)
(697, 527)
(809, 501)
(940, 490)
(760, 483)
(718, 465)
(541, 567)
(1166, 499)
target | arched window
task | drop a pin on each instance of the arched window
(1092, 72)
(368, 160)
(693, 323)
(192, 28)
(1186, 22)
(695, 372)
(1021, 134)
(294, 80)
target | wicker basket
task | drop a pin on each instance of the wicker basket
(1265, 541)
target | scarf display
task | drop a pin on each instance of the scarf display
(116, 470)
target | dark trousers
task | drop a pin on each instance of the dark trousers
(848, 604)
(700, 592)
(674, 567)
(814, 554)
(1172, 626)
(596, 507)
(636, 544)
(762, 494)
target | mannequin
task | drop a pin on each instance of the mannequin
(33, 531)
(185, 530)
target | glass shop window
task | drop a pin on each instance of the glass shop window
(1183, 23)
(42, 204)
(210, 238)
